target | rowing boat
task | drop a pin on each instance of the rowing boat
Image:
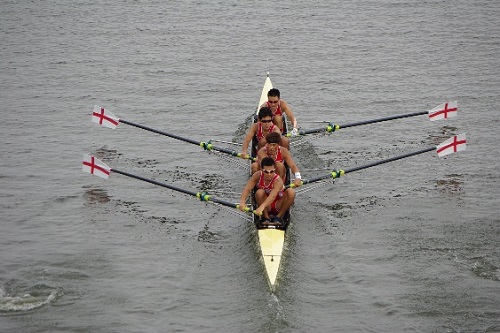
(271, 238)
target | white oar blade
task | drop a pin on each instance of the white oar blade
(95, 167)
(444, 111)
(104, 117)
(452, 145)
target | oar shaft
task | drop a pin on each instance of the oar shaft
(231, 152)
(159, 132)
(311, 131)
(332, 127)
(151, 181)
(392, 159)
(379, 120)
(205, 145)
(369, 165)
(175, 188)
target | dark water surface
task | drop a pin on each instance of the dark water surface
(411, 246)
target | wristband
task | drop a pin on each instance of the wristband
(297, 175)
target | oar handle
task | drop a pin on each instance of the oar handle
(248, 210)
(330, 128)
(232, 153)
(333, 174)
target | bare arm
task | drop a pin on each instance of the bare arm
(291, 163)
(289, 113)
(277, 130)
(289, 160)
(248, 138)
(247, 189)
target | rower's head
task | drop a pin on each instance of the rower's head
(273, 140)
(273, 92)
(265, 112)
(266, 117)
(268, 167)
(273, 98)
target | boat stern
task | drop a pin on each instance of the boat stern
(271, 244)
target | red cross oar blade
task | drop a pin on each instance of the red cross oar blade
(104, 117)
(444, 111)
(95, 167)
(452, 145)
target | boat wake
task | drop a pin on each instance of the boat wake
(27, 302)
(279, 319)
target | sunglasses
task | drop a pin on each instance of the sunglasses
(268, 171)
(266, 121)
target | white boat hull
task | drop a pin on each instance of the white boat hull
(271, 241)
(271, 245)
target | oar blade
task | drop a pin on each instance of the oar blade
(95, 167)
(444, 111)
(452, 145)
(104, 117)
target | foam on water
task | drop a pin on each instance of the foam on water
(26, 302)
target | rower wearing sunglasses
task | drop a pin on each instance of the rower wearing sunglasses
(260, 129)
(279, 107)
(272, 198)
(280, 155)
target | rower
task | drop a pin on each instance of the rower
(278, 107)
(273, 199)
(260, 129)
(280, 155)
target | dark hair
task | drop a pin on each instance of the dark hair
(273, 137)
(273, 92)
(265, 112)
(267, 161)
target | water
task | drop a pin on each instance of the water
(412, 246)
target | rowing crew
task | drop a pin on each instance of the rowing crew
(269, 171)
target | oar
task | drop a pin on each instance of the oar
(96, 167)
(105, 118)
(443, 111)
(228, 142)
(452, 145)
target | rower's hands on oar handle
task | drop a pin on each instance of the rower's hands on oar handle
(297, 181)
(258, 211)
(243, 207)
